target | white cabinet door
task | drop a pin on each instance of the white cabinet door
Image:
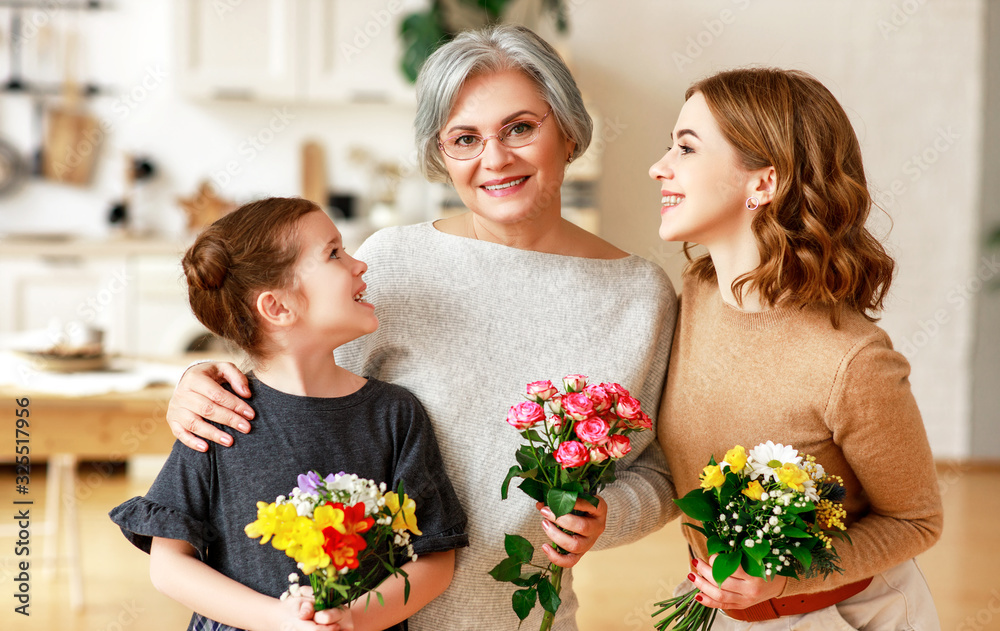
(245, 50)
(70, 289)
(353, 50)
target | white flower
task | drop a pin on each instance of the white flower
(749, 543)
(738, 528)
(293, 578)
(773, 521)
(767, 457)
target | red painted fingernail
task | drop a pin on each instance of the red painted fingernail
(694, 562)
(691, 577)
(698, 597)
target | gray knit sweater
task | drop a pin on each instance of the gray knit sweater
(465, 325)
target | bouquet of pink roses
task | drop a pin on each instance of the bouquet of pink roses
(570, 455)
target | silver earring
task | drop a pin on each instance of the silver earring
(755, 203)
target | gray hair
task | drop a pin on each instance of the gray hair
(494, 49)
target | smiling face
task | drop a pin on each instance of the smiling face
(502, 184)
(703, 188)
(328, 289)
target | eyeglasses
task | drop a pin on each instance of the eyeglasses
(514, 135)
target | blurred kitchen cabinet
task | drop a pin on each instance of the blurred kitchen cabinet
(69, 288)
(318, 51)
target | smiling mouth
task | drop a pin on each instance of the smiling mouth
(500, 187)
(671, 200)
(360, 296)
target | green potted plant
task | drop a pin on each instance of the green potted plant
(424, 31)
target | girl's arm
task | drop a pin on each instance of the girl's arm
(177, 572)
(429, 576)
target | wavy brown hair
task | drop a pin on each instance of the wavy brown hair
(250, 250)
(813, 244)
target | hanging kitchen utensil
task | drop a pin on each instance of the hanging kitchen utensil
(313, 173)
(72, 136)
(13, 169)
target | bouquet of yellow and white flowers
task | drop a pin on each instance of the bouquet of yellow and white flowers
(772, 512)
(345, 532)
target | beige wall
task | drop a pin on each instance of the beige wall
(910, 74)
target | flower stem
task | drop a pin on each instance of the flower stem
(555, 578)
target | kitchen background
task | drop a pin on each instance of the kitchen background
(232, 93)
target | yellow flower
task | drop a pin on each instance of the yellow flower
(327, 516)
(736, 458)
(712, 477)
(754, 490)
(272, 519)
(403, 518)
(792, 476)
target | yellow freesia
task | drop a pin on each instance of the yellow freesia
(792, 476)
(327, 516)
(300, 531)
(271, 519)
(754, 490)
(712, 477)
(736, 458)
(403, 518)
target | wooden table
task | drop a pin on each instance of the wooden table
(63, 431)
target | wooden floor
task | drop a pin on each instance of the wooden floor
(616, 587)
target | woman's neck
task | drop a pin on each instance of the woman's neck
(732, 260)
(308, 373)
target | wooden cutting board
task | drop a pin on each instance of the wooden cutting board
(313, 174)
(72, 136)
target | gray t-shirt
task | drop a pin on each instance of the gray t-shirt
(380, 432)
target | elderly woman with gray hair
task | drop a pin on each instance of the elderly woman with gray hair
(475, 306)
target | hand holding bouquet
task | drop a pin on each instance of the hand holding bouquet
(771, 512)
(569, 456)
(345, 532)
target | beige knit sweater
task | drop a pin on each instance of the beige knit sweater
(842, 395)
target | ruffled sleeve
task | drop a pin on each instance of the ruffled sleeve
(141, 519)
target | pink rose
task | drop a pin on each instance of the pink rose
(618, 446)
(574, 383)
(593, 430)
(539, 391)
(571, 454)
(524, 415)
(554, 423)
(644, 421)
(615, 391)
(628, 408)
(577, 406)
(598, 454)
(599, 397)
(555, 404)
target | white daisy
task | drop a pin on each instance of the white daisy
(767, 457)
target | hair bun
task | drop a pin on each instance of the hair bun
(206, 264)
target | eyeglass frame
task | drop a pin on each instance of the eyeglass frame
(492, 136)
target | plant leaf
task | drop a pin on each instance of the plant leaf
(525, 458)
(512, 473)
(803, 555)
(758, 551)
(725, 564)
(534, 489)
(548, 597)
(518, 548)
(523, 601)
(752, 565)
(506, 570)
(715, 544)
(561, 501)
(697, 506)
(527, 580)
(796, 533)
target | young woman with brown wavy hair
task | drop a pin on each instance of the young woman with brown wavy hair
(776, 341)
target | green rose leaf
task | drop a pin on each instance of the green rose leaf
(506, 570)
(696, 505)
(560, 501)
(512, 473)
(752, 565)
(518, 548)
(533, 488)
(716, 545)
(527, 580)
(525, 458)
(548, 597)
(725, 564)
(523, 602)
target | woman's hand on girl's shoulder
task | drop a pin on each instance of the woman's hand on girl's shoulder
(199, 397)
